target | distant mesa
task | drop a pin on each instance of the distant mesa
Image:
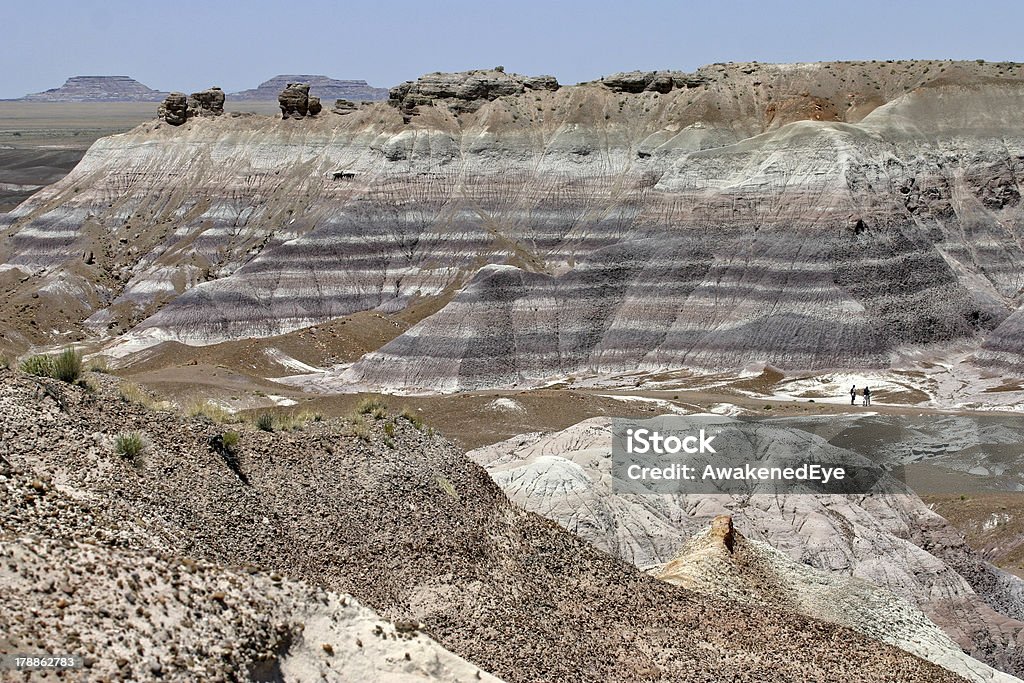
(322, 87)
(98, 89)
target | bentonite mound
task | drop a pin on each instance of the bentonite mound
(890, 539)
(808, 216)
(176, 108)
(409, 527)
(721, 561)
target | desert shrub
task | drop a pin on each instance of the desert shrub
(67, 366)
(373, 407)
(4, 363)
(289, 422)
(208, 410)
(129, 445)
(357, 427)
(230, 440)
(99, 364)
(265, 422)
(40, 366)
(447, 487)
(389, 429)
(412, 416)
(133, 393)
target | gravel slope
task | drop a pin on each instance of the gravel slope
(416, 532)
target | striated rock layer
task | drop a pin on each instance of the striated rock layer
(809, 216)
(721, 561)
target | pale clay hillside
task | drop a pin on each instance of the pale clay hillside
(807, 216)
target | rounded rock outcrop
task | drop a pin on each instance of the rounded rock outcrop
(464, 91)
(174, 109)
(177, 108)
(296, 102)
(209, 102)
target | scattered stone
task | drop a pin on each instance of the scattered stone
(343, 107)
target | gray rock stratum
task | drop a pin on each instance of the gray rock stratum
(890, 539)
(809, 216)
(381, 510)
(464, 92)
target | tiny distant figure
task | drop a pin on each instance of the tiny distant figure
(867, 396)
(853, 395)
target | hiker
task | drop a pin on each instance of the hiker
(867, 396)
(853, 395)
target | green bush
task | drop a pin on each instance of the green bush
(4, 363)
(265, 422)
(209, 410)
(129, 445)
(373, 407)
(230, 440)
(447, 487)
(65, 366)
(357, 427)
(40, 366)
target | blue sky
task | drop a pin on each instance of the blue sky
(189, 44)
